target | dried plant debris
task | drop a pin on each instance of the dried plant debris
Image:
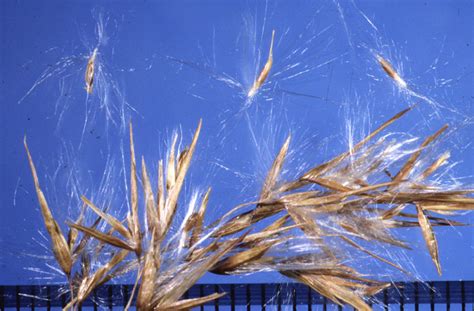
(309, 229)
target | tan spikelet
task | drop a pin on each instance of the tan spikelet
(429, 237)
(59, 244)
(274, 172)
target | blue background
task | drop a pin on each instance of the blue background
(430, 42)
